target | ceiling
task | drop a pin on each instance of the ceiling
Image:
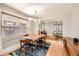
(44, 10)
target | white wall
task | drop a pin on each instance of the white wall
(66, 19)
(70, 22)
(12, 11)
(0, 33)
(75, 21)
(9, 10)
(49, 28)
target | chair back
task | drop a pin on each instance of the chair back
(40, 41)
(22, 42)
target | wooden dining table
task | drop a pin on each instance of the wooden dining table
(34, 37)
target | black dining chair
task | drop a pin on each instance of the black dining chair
(40, 44)
(25, 46)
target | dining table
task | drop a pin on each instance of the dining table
(33, 37)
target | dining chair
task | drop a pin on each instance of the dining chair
(25, 46)
(40, 44)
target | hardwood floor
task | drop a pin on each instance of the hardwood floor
(57, 49)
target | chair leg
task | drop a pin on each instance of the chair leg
(32, 50)
(19, 52)
(25, 53)
(44, 49)
(36, 49)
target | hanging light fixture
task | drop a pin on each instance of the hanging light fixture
(37, 20)
(35, 17)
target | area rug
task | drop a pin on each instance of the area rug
(38, 52)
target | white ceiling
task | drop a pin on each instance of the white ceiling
(44, 10)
